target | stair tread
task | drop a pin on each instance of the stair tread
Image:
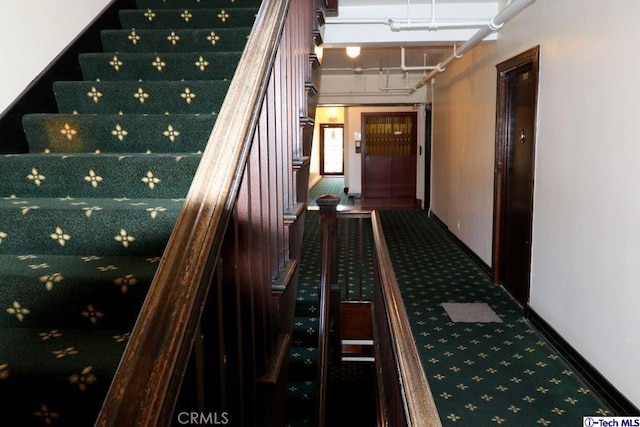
(159, 66)
(56, 289)
(155, 4)
(206, 39)
(115, 97)
(80, 226)
(83, 218)
(300, 403)
(62, 371)
(192, 18)
(117, 133)
(64, 291)
(106, 175)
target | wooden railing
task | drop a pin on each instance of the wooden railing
(221, 302)
(329, 341)
(404, 394)
(356, 253)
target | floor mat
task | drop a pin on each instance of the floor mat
(473, 312)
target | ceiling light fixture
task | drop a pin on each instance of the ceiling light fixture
(353, 51)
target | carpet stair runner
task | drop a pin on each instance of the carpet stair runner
(301, 403)
(85, 216)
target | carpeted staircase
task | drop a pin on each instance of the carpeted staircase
(301, 404)
(85, 216)
(301, 408)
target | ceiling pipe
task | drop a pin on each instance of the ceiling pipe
(433, 24)
(397, 25)
(407, 88)
(496, 23)
(404, 67)
(360, 70)
(408, 24)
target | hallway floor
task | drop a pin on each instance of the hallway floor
(485, 372)
(481, 373)
(330, 185)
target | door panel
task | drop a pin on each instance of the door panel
(377, 169)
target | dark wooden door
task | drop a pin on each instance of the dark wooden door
(519, 87)
(389, 159)
(519, 194)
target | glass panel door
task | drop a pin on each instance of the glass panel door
(331, 150)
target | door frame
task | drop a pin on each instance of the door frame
(505, 70)
(428, 113)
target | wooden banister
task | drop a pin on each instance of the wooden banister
(329, 341)
(405, 395)
(148, 381)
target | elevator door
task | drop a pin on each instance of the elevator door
(389, 159)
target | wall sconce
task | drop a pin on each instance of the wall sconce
(353, 51)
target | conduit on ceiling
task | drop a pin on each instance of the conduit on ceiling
(487, 27)
(495, 24)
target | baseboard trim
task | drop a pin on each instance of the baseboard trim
(605, 390)
(466, 249)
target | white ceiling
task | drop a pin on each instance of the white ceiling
(369, 3)
(363, 23)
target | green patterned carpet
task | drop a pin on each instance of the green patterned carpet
(330, 185)
(481, 374)
(352, 273)
(86, 214)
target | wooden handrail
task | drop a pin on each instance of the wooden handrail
(329, 310)
(323, 332)
(417, 405)
(147, 382)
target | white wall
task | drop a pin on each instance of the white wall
(586, 243)
(33, 33)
